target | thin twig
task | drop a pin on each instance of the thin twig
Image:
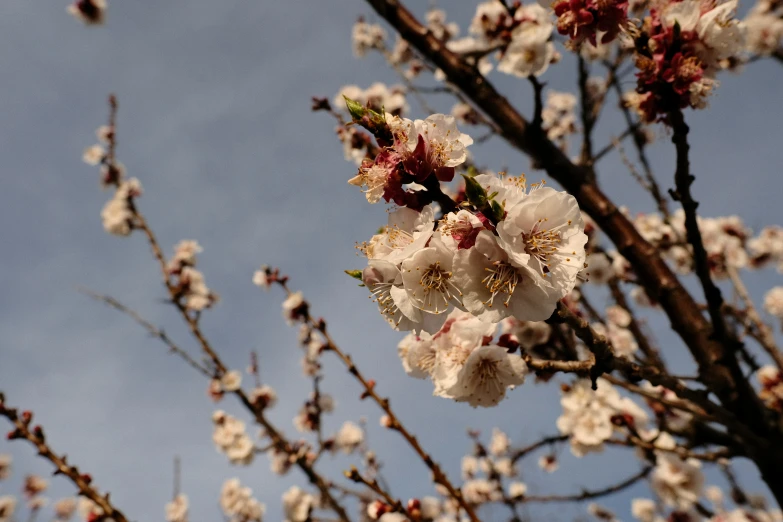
(438, 474)
(153, 330)
(765, 336)
(81, 480)
(590, 494)
(546, 441)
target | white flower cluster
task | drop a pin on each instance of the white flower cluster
(177, 509)
(484, 473)
(721, 36)
(771, 387)
(727, 241)
(525, 37)
(616, 331)
(190, 284)
(678, 483)
(297, 504)
(557, 116)
(767, 247)
(366, 37)
(33, 487)
(349, 438)
(591, 417)
(89, 510)
(461, 361)
(520, 267)
(117, 214)
(773, 302)
(238, 504)
(230, 438)
(64, 509)
(764, 23)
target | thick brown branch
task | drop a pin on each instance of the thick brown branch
(683, 180)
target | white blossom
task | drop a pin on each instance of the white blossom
(7, 508)
(264, 395)
(517, 489)
(5, 466)
(427, 277)
(292, 307)
(366, 37)
(494, 286)
(530, 51)
(544, 235)
(499, 444)
(297, 504)
(446, 146)
(406, 233)
(93, 155)
(643, 509)
(349, 437)
(773, 302)
(479, 491)
(678, 483)
(64, 509)
(764, 30)
(238, 504)
(231, 381)
(177, 509)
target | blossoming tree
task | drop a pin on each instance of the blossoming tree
(490, 278)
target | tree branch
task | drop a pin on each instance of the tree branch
(81, 480)
(590, 494)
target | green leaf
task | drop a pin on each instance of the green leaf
(356, 274)
(475, 192)
(498, 212)
(356, 109)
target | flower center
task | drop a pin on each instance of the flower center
(398, 238)
(502, 278)
(542, 243)
(486, 372)
(438, 287)
(381, 294)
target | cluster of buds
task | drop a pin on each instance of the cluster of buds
(230, 438)
(586, 20)
(679, 51)
(119, 214)
(238, 504)
(190, 289)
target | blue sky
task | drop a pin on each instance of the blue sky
(215, 121)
